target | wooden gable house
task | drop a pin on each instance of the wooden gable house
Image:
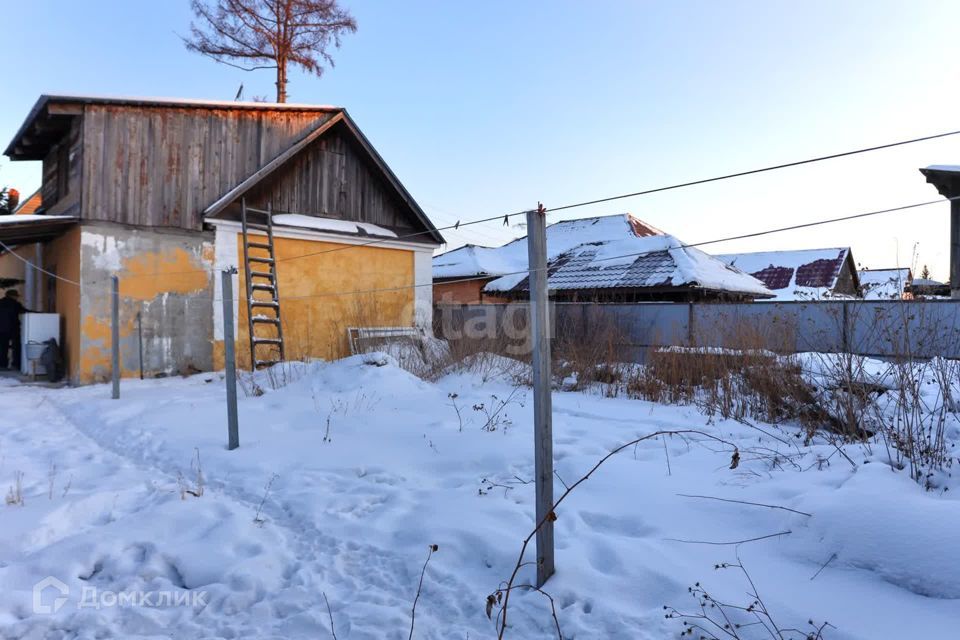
(151, 191)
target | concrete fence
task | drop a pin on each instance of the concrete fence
(883, 329)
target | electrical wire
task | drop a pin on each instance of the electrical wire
(506, 217)
(702, 243)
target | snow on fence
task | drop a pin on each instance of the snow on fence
(883, 329)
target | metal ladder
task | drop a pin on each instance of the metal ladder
(266, 274)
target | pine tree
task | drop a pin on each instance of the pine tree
(925, 273)
(274, 33)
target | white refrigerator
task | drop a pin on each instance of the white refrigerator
(35, 329)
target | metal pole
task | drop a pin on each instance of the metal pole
(140, 341)
(230, 358)
(115, 335)
(955, 249)
(542, 402)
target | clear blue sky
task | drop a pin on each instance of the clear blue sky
(488, 107)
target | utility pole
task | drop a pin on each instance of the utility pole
(115, 335)
(229, 357)
(947, 181)
(542, 401)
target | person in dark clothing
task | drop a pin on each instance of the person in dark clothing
(10, 310)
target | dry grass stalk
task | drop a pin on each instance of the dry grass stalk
(15, 494)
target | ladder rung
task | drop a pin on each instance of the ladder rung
(260, 227)
(263, 287)
(259, 259)
(261, 363)
(261, 274)
(259, 245)
(257, 340)
(264, 303)
(265, 320)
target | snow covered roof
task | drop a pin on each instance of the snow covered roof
(472, 260)
(607, 252)
(885, 284)
(27, 218)
(32, 227)
(803, 274)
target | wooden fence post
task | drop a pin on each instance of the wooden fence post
(542, 401)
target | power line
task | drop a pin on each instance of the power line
(616, 257)
(679, 185)
(642, 253)
(750, 172)
(506, 217)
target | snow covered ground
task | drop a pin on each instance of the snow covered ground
(367, 466)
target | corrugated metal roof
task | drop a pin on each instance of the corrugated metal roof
(615, 252)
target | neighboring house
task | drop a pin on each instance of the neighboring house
(604, 259)
(803, 274)
(459, 276)
(149, 190)
(927, 288)
(31, 205)
(886, 284)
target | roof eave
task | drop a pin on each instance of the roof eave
(421, 215)
(343, 117)
(38, 106)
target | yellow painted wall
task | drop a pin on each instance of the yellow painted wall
(62, 257)
(12, 267)
(314, 322)
(154, 270)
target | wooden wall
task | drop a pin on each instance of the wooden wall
(62, 169)
(162, 166)
(333, 178)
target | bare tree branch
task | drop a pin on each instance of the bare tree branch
(505, 591)
(733, 542)
(754, 504)
(280, 32)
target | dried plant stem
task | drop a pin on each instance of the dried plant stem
(733, 542)
(754, 504)
(551, 514)
(413, 611)
(333, 631)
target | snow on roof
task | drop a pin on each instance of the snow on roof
(618, 251)
(884, 284)
(471, 260)
(803, 274)
(27, 218)
(181, 102)
(331, 224)
(926, 282)
(944, 167)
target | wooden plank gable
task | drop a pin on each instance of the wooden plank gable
(163, 166)
(333, 172)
